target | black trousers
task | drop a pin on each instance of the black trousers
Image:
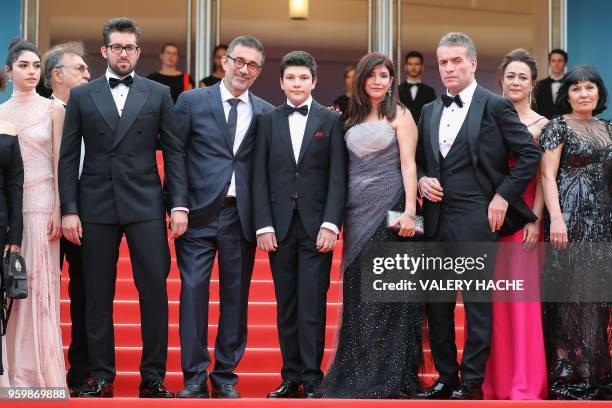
(78, 353)
(301, 280)
(473, 226)
(195, 252)
(150, 258)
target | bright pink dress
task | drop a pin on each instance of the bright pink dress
(516, 369)
(33, 338)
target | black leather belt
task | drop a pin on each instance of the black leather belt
(228, 200)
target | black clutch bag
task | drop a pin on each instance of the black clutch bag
(392, 216)
(15, 276)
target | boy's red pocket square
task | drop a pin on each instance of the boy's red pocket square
(319, 135)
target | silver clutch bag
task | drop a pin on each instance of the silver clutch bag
(392, 216)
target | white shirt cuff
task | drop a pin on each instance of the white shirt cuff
(180, 209)
(331, 227)
(264, 230)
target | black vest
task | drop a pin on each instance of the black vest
(462, 191)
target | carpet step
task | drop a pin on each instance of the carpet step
(254, 360)
(250, 385)
(261, 269)
(260, 291)
(260, 313)
(259, 335)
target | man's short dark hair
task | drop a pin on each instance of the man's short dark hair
(120, 25)
(247, 41)
(413, 54)
(168, 44)
(299, 59)
(560, 52)
(577, 74)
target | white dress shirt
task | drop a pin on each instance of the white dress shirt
(413, 88)
(453, 117)
(554, 87)
(120, 92)
(297, 127)
(245, 114)
(82, 143)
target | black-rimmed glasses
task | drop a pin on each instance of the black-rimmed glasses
(130, 49)
(252, 67)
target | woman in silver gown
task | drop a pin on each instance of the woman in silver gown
(379, 348)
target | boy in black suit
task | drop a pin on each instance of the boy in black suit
(299, 189)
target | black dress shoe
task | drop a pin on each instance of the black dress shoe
(225, 391)
(287, 389)
(77, 389)
(154, 388)
(311, 390)
(97, 388)
(468, 391)
(438, 391)
(193, 391)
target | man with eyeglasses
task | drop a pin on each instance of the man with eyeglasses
(119, 117)
(65, 69)
(218, 123)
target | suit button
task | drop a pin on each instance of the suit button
(450, 173)
(437, 168)
(109, 177)
(112, 155)
(139, 131)
(297, 174)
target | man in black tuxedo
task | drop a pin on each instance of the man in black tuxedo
(470, 195)
(545, 92)
(413, 92)
(217, 126)
(65, 69)
(299, 192)
(119, 117)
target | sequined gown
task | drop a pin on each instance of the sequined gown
(379, 350)
(576, 335)
(33, 338)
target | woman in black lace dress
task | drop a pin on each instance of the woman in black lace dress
(576, 172)
(379, 345)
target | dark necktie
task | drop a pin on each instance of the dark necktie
(448, 100)
(292, 109)
(232, 119)
(127, 81)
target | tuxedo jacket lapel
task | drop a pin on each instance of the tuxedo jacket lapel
(434, 129)
(103, 99)
(282, 123)
(474, 118)
(312, 124)
(216, 106)
(136, 99)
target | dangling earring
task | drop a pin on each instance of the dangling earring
(530, 98)
(503, 94)
(389, 91)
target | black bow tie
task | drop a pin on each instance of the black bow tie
(127, 81)
(552, 80)
(448, 100)
(291, 109)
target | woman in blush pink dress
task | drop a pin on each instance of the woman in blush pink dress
(516, 369)
(33, 338)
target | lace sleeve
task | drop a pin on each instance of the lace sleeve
(553, 134)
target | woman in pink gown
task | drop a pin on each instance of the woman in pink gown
(33, 339)
(516, 369)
